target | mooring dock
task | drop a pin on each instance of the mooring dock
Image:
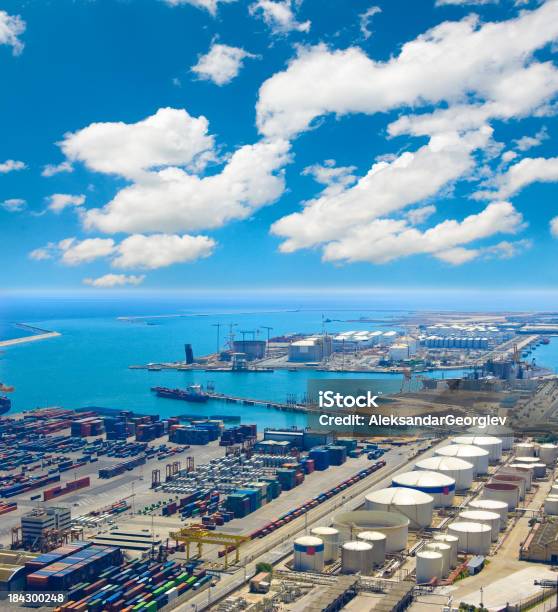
(248, 401)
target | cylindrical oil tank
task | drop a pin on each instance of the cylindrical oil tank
(523, 470)
(445, 551)
(492, 505)
(415, 505)
(554, 489)
(357, 557)
(548, 453)
(474, 538)
(378, 541)
(469, 452)
(551, 505)
(308, 554)
(499, 431)
(429, 566)
(502, 491)
(393, 525)
(451, 541)
(524, 449)
(492, 519)
(515, 479)
(440, 486)
(539, 470)
(490, 443)
(527, 460)
(330, 538)
(460, 470)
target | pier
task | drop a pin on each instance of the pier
(248, 401)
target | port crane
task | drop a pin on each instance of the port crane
(199, 536)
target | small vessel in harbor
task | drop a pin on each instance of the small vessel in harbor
(5, 404)
(192, 393)
(545, 340)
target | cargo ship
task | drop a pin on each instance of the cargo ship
(5, 404)
(192, 393)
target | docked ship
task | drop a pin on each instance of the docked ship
(5, 404)
(192, 393)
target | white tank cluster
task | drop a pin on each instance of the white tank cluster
(499, 431)
(445, 551)
(429, 566)
(459, 470)
(415, 505)
(489, 443)
(308, 554)
(330, 538)
(514, 479)
(439, 486)
(551, 505)
(393, 525)
(524, 449)
(357, 557)
(470, 453)
(492, 505)
(502, 491)
(453, 542)
(548, 453)
(473, 538)
(526, 471)
(484, 517)
(378, 542)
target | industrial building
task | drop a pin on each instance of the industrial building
(454, 342)
(311, 349)
(542, 544)
(252, 349)
(36, 524)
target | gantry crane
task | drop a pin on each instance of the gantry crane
(200, 536)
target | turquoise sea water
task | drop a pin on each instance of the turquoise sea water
(88, 364)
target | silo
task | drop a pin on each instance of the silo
(524, 449)
(445, 551)
(502, 491)
(429, 566)
(492, 505)
(393, 525)
(474, 538)
(330, 538)
(378, 541)
(308, 554)
(523, 470)
(539, 470)
(485, 517)
(415, 505)
(460, 470)
(357, 557)
(470, 453)
(490, 443)
(551, 505)
(452, 541)
(440, 486)
(515, 479)
(500, 431)
(548, 453)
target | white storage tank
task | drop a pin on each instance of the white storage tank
(539, 470)
(357, 557)
(485, 517)
(452, 541)
(308, 554)
(330, 538)
(551, 505)
(469, 452)
(502, 491)
(440, 486)
(515, 479)
(526, 471)
(554, 489)
(474, 538)
(490, 443)
(499, 431)
(429, 566)
(445, 551)
(378, 541)
(492, 505)
(460, 470)
(415, 505)
(526, 460)
(548, 453)
(524, 449)
(393, 525)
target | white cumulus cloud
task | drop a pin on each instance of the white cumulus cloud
(13, 204)
(11, 165)
(169, 137)
(57, 202)
(209, 5)
(113, 280)
(554, 227)
(365, 20)
(279, 16)
(11, 28)
(221, 64)
(52, 169)
(528, 142)
(75, 252)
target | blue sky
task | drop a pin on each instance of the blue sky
(212, 144)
